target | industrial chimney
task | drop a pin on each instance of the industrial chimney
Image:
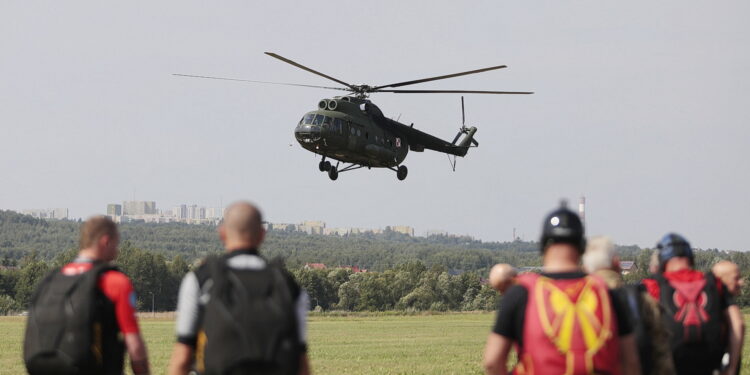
(582, 209)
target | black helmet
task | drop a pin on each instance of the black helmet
(563, 226)
(673, 245)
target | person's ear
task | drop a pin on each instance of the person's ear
(222, 233)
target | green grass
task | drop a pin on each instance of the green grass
(387, 344)
(351, 344)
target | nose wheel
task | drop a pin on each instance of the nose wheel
(402, 172)
(324, 166)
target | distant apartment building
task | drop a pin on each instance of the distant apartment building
(180, 212)
(132, 208)
(407, 230)
(114, 210)
(337, 231)
(214, 213)
(60, 213)
(47, 213)
(312, 227)
(282, 226)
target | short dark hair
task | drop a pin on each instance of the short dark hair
(95, 227)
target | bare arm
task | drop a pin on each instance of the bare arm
(137, 353)
(736, 337)
(182, 359)
(496, 354)
(629, 361)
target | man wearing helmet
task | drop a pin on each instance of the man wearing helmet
(562, 321)
(696, 306)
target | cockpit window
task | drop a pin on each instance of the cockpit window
(309, 118)
(327, 120)
(318, 120)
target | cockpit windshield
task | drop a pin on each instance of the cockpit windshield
(318, 120)
(309, 118)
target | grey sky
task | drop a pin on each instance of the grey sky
(641, 106)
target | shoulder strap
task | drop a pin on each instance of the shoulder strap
(43, 285)
(217, 270)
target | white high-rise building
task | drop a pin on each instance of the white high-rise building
(180, 212)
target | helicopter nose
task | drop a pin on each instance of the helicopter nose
(307, 133)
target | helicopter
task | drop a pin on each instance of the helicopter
(352, 130)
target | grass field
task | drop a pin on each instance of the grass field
(426, 344)
(358, 344)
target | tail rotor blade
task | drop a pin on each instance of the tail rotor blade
(474, 142)
(463, 114)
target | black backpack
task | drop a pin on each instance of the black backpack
(693, 315)
(71, 327)
(250, 323)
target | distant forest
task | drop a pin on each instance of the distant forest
(404, 272)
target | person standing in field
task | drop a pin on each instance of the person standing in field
(562, 321)
(238, 313)
(502, 277)
(729, 274)
(82, 317)
(651, 337)
(699, 312)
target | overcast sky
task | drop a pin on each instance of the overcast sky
(641, 106)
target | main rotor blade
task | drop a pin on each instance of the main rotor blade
(284, 59)
(441, 77)
(454, 92)
(266, 82)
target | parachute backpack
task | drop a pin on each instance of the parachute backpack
(250, 322)
(65, 330)
(693, 316)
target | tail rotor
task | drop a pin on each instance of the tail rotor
(469, 132)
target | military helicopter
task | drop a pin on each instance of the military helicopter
(351, 129)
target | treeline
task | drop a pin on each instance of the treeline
(432, 273)
(155, 279)
(410, 286)
(20, 235)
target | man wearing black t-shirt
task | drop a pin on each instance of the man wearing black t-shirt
(562, 320)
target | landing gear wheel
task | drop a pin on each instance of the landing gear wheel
(324, 166)
(401, 172)
(333, 174)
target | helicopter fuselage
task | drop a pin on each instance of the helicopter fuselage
(352, 130)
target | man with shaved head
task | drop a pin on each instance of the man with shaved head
(729, 273)
(502, 277)
(238, 313)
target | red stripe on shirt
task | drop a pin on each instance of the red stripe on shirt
(118, 289)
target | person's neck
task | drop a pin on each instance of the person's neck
(560, 259)
(89, 253)
(239, 246)
(561, 267)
